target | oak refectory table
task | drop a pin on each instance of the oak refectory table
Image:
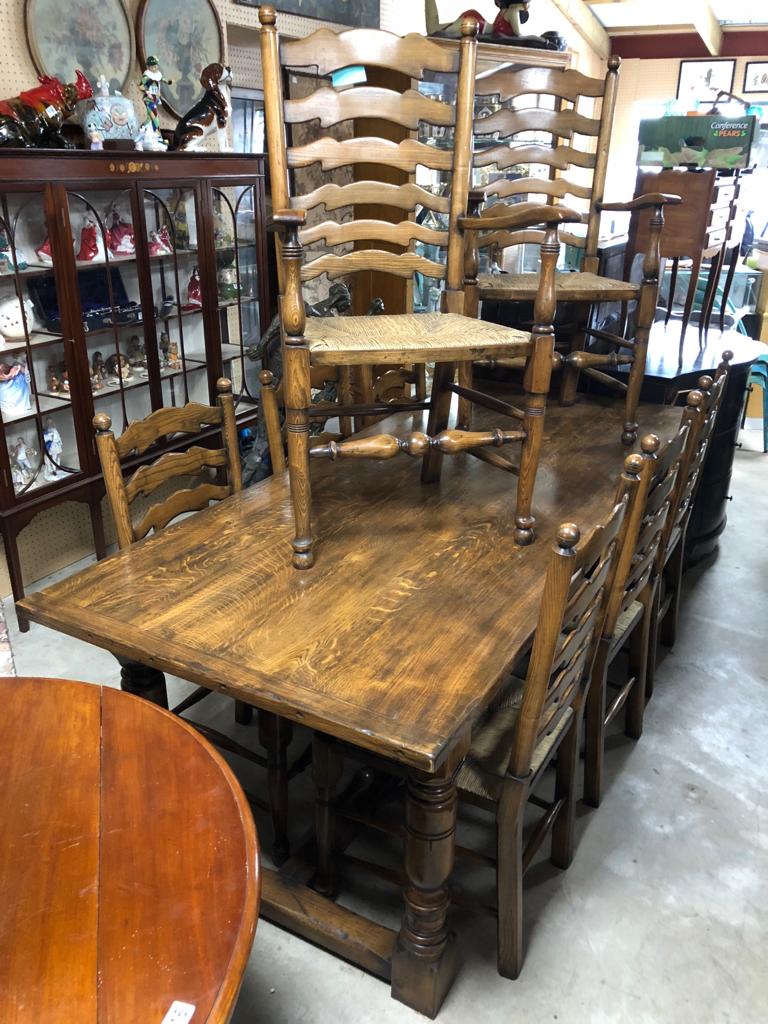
(395, 641)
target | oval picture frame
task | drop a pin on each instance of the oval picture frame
(93, 35)
(184, 38)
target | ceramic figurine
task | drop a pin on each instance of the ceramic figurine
(178, 208)
(54, 381)
(44, 253)
(150, 85)
(65, 381)
(97, 366)
(160, 243)
(120, 240)
(173, 361)
(150, 140)
(506, 27)
(210, 114)
(96, 382)
(12, 318)
(20, 455)
(95, 136)
(53, 449)
(222, 230)
(7, 262)
(15, 390)
(35, 117)
(165, 308)
(227, 282)
(136, 353)
(91, 243)
(165, 346)
(125, 371)
(194, 292)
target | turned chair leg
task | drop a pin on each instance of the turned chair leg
(298, 398)
(275, 735)
(653, 645)
(638, 662)
(439, 411)
(569, 381)
(509, 879)
(465, 378)
(594, 745)
(529, 465)
(566, 768)
(634, 385)
(674, 577)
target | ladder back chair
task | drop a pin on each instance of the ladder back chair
(446, 338)
(648, 480)
(539, 720)
(541, 122)
(145, 481)
(702, 408)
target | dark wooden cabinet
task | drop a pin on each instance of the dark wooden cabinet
(128, 282)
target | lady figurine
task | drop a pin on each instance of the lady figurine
(20, 456)
(165, 347)
(120, 239)
(15, 391)
(53, 449)
(194, 291)
(174, 363)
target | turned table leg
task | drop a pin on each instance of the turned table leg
(275, 735)
(423, 961)
(143, 681)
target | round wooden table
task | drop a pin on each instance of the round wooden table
(129, 865)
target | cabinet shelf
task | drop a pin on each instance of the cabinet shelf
(46, 402)
(36, 339)
(193, 365)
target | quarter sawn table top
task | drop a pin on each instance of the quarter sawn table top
(418, 603)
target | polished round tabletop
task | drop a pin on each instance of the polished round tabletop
(129, 865)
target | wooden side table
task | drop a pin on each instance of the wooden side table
(129, 868)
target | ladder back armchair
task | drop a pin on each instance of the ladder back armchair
(542, 122)
(447, 338)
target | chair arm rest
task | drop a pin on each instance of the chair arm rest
(521, 215)
(282, 220)
(644, 202)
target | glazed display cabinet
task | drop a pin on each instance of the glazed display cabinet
(128, 282)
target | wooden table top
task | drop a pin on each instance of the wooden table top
(418, 603)
(120, 894)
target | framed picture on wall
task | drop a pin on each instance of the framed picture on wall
(704, 79)
(756, 76)
(93, 35)
(185, 38)
(357, 13)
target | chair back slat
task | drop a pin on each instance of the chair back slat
(188, 419)
(331, 154)
(557, 188)
(403, 264)
(186, 500)
(568, 84)
(326, 51)
(513, 154)
(332, 232)
(197, 459)
(560, 124)
(502, 239)
(403, 197)
(329, 107)
(570, 617)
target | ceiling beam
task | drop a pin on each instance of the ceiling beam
(586, 24)
(707, 25)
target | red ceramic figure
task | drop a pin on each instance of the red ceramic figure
(120, 236)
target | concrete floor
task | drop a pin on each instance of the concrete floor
(663, 916)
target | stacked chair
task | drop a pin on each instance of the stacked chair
(448, 338)
(546, 104)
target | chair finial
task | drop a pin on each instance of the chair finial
(650, 444)
(265, 378)
(102, 423)
(633, 464)
(469, 27)
(568, 535)
(695, 399)
(705, 383)
(267, 15)
(224, 386)
(727, 356)
(614, 63)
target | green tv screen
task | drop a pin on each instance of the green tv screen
(704, 140)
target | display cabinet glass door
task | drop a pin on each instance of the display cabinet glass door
(37, 364)
(172, 226)
(235, 215)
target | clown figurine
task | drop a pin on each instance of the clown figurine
(150, 84)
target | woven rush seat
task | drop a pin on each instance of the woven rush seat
(576, 287)
(409, 338)
(626, 622)
(483, 769)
